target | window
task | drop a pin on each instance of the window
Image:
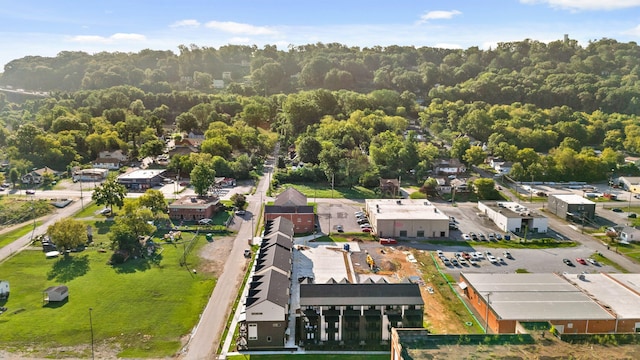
(277, 325)
(403, 233)
(253, 331)
(420, 233)
(442, 234)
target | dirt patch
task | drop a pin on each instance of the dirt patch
(214, 254)
(394, 264)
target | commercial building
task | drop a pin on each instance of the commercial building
(292, 204)
(503, 301)
(571, 207)
(141, 179)
(194, 208)
(513, 217)
(406, 218)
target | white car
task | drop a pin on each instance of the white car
(492, 259)
(466, 237)
(204, 221)
(359, 213)
(479, 255)
(439, 253)
(462, 261)
(365, 225)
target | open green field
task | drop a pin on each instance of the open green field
(11, 236)
(142, 307)
(312, 191)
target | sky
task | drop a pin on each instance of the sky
(45, 28)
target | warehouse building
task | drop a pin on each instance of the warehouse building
(406, 218)
(572, 207)
(513, 217)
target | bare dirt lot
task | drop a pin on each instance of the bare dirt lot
(395, 266)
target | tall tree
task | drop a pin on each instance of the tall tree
(67, 234)
(202, 178)
(110, 193)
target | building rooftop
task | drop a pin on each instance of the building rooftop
(512, 209)
(620, 292)
(573, 199)
(404, 209)
(142, 174)
(360, 294)
(535, 297)
(195, 202)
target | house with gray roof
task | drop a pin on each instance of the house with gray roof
(267, 310)
(292, 205)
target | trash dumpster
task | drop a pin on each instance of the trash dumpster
(209, 237)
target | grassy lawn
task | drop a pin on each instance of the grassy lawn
(312, 357)
(142, 306)
(311, 191)
(11, 236)
(631, 250)
(605, 261)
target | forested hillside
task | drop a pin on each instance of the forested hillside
(558, 110)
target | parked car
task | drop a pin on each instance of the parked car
(439, 253)
(30, 192)
(339, 228)
(362, 221)
(473, 262)
(454, 262)
(367, 230)
(479, 255)
(205, 221)
(491, 237)
(507, 255)
(618, 210)
(240, 212)
(498, 237)
(593, 261)
(365, 225)
(492, 259)
(105, 211)
(482, 237)
(567, 262)
(446, 261)
(466, 237)
(581, 261)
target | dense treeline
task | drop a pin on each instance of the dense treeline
(558, 111)
(601, 76)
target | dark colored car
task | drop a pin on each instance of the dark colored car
(567, 262)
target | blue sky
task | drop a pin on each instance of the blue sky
(36, 27)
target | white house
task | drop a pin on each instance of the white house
(629, 234)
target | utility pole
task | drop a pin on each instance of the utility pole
(91, 327)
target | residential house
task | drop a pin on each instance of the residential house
(449, 167)
(358, 314)
(115, 154)
(37, 176)
(390, 187)
(107, 163)
(629, 234)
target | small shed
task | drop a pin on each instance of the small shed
(56, 294)
(4, 289)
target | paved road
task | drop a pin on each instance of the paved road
(24, 241)
(207, 335)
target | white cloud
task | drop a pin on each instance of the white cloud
(187, 23)
(118, 37)
(438, 15)
(577, 5)
(633, 32)
(238, 28)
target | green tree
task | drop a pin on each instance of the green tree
(154, 200)
(486, 189)
(474, 155)
(14, 176)
(110, 193)
(202, 178)
(308, 149)
(133, 223)
(239, 200)
(153, 147)
(459, 147)
(67, 234)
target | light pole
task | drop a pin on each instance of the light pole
(91, 327)
(531, 190)
(486, 315)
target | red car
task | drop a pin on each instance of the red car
(367, 230)
(581, 261)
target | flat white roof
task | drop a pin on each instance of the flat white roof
(410, 209)
(535, 297)
(573, 199)
(621, 292)
(142, 174)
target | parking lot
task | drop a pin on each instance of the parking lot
(332, 214)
